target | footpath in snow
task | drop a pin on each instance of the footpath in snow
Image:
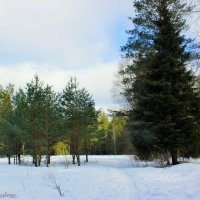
(103, 178)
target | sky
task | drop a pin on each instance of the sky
(58, 39)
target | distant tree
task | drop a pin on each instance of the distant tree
(104, 134)
(118, 125)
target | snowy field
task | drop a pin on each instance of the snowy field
(103, 178)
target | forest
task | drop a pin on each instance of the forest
(37, 121)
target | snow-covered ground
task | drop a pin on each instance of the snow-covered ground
(103, 178)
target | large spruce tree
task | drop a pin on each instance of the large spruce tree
(158, 85)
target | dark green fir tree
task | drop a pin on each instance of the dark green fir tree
(159, 87)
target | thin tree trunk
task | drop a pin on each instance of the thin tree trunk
(36, 160)
(73, 159)
(19, 158)
(86, 157)
(16, 156)
(114, 139)
(49, 159)
(39, 160)
(9, 159)
(20, 149)
(174, 158)
(86, 151)
(14, 160)
(36, 140)
(47, 138)
(78, 160)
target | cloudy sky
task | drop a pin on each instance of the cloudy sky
(61, 38)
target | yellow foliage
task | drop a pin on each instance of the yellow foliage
(61, 148)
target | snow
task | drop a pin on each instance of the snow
(103, 178)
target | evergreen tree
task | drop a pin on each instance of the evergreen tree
(38, 105)
(20, 119)
(11, 133)
(78, 110)
(159, 87)
(34, 100)
(50, 121)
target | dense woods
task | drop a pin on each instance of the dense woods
(39, 122)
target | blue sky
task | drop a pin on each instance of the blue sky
(63, 38)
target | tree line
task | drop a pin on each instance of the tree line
(39, 122)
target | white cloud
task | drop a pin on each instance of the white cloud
(97, 79)
(71, 32)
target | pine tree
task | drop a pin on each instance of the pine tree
(34, 101)
(50, 120)
(78, 110)
(11, 134)
(37, 108)
(159, 87)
